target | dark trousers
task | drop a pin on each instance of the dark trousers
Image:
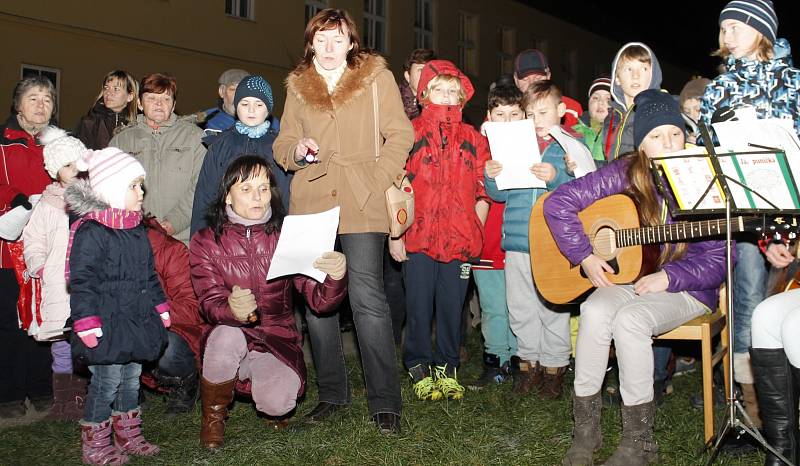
(433, 285)
(373, 322)
(178, 358)
(24, 363)
(395, 293)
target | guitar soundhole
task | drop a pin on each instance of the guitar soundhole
(604, 243)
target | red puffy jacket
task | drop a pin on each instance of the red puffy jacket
(242, 257)
(21, 172)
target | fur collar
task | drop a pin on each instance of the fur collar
(310, 89)
(81, 199)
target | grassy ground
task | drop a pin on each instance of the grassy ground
(488, 427)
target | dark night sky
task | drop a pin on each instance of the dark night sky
(679, 31)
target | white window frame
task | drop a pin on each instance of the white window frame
(313, 7)
(468, 34)
(424, 38)
(45, 69)
(370, 21)
(236, 6)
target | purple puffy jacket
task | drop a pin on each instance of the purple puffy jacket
(700, 271)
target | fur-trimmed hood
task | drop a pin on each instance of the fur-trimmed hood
(81, 199)
(310, 88)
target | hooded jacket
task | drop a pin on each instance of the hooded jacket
(96, 128)
(45, 239)
(113, 278)
(699, 272)
(446, 171)
(242, 256)
(772, 87)
(172, 156)
(226, 148)
(348, 174)
(21, 172)
(617, 134)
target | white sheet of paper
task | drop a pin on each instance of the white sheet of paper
(689, 178)
(514, 145)
(769, 132)
(579, 153)
(303, 239)
(13, 221)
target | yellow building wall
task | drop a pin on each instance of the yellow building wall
(195, 41)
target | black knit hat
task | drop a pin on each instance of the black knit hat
(653, 109)
(758, 14)
(254, 86)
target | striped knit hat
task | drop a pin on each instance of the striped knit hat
(600, 84)
(758, 14)
(110, 172)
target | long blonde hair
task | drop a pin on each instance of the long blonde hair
(642, 189)
(764, 49)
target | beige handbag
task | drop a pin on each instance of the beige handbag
(399, 201)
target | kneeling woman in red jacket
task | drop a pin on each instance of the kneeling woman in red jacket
(254, 345)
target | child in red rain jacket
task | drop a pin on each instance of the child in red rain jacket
(446, 170)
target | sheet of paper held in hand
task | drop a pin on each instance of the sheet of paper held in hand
(577, 151)
(13, 221)
(303, 239)
(514, 145)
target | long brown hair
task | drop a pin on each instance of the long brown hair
(642, 189)
(331, 18)
(131, 87)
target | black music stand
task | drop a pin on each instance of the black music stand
(736, 419)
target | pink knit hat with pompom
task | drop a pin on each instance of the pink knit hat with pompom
(110, 173)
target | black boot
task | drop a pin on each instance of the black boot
(777, 399)
(182, 394)
(493, 372)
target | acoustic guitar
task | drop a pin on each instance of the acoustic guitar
(612, 225)
(787, 278)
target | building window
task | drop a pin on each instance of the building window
(468, 42)
(375, 25)
(313, 7)
(538, 43)
(506, 46)
(423, 24)
(53, 74)
(240, 9)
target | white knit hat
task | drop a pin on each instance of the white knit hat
(60, 149)
(110, 173)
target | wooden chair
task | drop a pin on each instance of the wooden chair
(704, 328)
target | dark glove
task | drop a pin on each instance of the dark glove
(723, 114)
(21, 200)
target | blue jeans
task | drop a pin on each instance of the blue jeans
(749, 289)
(113, 386)
(178, 358)
(373, 322)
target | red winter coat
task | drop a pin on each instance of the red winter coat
(21, 172)
(242, 257)
(446, 170)
(172, 266)
(493, 257)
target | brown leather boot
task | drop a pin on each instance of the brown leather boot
(528, 377)
(553, 383)
(751, 403)
(215, 398)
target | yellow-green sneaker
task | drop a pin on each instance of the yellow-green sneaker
(424, 386)
(447, 381)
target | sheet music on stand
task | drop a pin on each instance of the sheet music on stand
(759, 179)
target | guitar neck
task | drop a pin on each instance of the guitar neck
(676, 232)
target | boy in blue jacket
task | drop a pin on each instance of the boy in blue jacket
(542, 335)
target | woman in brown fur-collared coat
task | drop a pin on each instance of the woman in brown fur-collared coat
(328, 137)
